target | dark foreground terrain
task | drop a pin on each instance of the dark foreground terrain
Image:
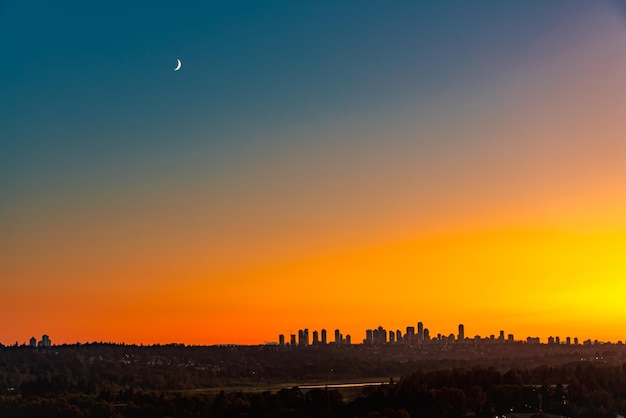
(104, 380)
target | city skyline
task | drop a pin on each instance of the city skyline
(410, 335)
(336, 165)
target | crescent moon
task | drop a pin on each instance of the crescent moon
(180, 64)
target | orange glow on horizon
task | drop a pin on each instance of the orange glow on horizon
(526, 282)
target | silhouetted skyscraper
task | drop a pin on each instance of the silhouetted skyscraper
(324, 337)
(461, 337)
(380, 335)
(315, 338)
(45, 341)
(338, 338)
(292, 341)
(281, 339)
(409, 337)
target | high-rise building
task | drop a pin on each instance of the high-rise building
(426, 334)
(461, 337)
(338, 337)
(420, 331)
(392, 337)
(348, 339)
(409, 336)
(323, 337)
(398, 336)
(281, 339)
(316, 340)
(303, 337)
(568, 340)
(511, 339)
(45, 341)
(292, 341)
(380, 335)
(33, 342)
(369, 337)
(501, 337)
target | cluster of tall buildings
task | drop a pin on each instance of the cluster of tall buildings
(413, 336)
(43, 343)
(318, 338)
(380, 335)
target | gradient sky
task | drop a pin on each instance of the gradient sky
(312, 165)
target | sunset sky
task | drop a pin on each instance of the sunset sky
(330, 164)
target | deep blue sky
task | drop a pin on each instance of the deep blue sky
(85, 86)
